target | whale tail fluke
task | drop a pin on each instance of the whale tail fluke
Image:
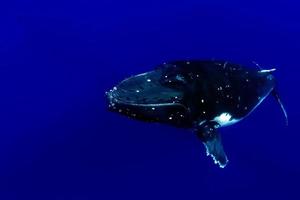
(274, 91)
(276, 96)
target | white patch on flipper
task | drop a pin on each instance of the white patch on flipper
(225, 119)
(214, 158)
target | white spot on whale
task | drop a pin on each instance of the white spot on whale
(225, 119)
(267, 70)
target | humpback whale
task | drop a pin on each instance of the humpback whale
(202, 95)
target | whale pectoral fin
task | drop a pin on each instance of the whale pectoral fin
(211, 139)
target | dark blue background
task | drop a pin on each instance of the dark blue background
(57, 140)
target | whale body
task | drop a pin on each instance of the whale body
(203, 95)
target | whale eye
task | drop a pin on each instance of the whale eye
(180, 78)
(174, 81)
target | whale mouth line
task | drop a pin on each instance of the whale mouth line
(114, 101)
(145, 90)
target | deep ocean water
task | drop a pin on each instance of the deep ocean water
(59, 142)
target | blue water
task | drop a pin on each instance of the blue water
(58, 141)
